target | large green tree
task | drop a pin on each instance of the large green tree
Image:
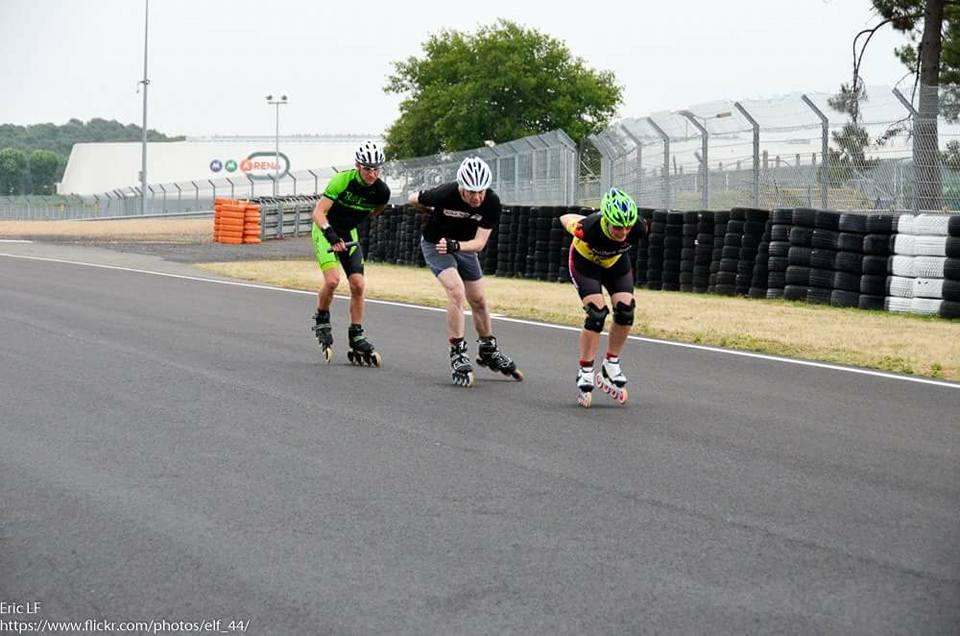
(44, 171)
(933, 54)
(13, 171)
(500, 83)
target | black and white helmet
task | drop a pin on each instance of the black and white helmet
(369, 154)
(474, 174)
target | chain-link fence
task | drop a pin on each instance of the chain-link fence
(535, 170)
(784, 152)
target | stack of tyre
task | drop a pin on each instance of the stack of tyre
(730, 254)
(554, 243)
(932, 246)
(878, 245)
(951, 270)
(491, 252)
(778, 251)
(641, 256)
(848, 262)
(672, 247)
(720, 220)
(655, 251)
(520, 248)
(563, 258)
(761, 265)
(703, 252)
(798, 258)
(752, 225)
(688, 249)
(506, 241)
(902, 267)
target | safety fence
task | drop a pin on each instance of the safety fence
(790, 151)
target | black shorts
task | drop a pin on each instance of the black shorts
(589, 278)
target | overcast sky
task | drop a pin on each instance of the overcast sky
(211, 62)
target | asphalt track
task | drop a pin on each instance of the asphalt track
(174, 449)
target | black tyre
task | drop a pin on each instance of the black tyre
(850, 222)
(841, 298)
(871, 302)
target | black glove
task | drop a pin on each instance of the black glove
(453, 245)
(330, 234)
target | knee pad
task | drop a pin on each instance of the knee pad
(596, 316)
(623, 313)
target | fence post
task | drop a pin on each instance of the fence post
(316, 182)
(756, 151)
(666, 161)
(914, 117)
(179, 197)
(213, 202)
(196, 199)
(825, 149)
(639, 169)
(704, 160)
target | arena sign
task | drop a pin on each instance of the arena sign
(258, 166)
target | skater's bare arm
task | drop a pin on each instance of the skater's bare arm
(320, 211)
(477, 243)
(415, 202)
(320, 218)
(571, 222)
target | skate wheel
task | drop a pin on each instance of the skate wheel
(464, 380)
(585, 399)
(622, 396)
(327, 354)
(351, 357)
(517, 375)
(375, 359)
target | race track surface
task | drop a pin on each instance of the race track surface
(175, 449)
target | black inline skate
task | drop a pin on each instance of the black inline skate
(323, 333)
(361, 352)
(488, 355)
(461, 373)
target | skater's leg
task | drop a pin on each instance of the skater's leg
(453, 286)
(596, 312)
(623, 304)
(477, 299)
(357, 287)
(331, 278)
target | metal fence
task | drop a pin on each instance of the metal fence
(785, 152)
(536, 170)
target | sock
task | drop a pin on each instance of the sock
(586, 364)
(455, 341)
(612, 357)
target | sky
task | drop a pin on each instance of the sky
(212, 62)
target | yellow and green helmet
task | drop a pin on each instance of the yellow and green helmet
(618, 209)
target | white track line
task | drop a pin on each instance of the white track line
(745, 354)
(15, 241)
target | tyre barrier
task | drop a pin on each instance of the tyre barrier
(879, 261)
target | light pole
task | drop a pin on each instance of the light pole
(143, 143)
(276, 149)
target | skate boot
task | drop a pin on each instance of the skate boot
(461, 373)
(324, 336)
(585, 386)
(361, 352)
(611, 380)
(491, 357)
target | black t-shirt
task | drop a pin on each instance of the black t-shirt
(453, 218)
(595, 245)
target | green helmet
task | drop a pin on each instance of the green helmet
(618, 208)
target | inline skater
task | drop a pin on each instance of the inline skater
(349, 198)
(463, 213)
(597, 261)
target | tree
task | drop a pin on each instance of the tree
(501, 83)
(934, 56)
(13, 171)
(44, 171)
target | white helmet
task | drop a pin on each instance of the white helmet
(369, 154)
(474, 174)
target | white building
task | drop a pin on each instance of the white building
(104, 167)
